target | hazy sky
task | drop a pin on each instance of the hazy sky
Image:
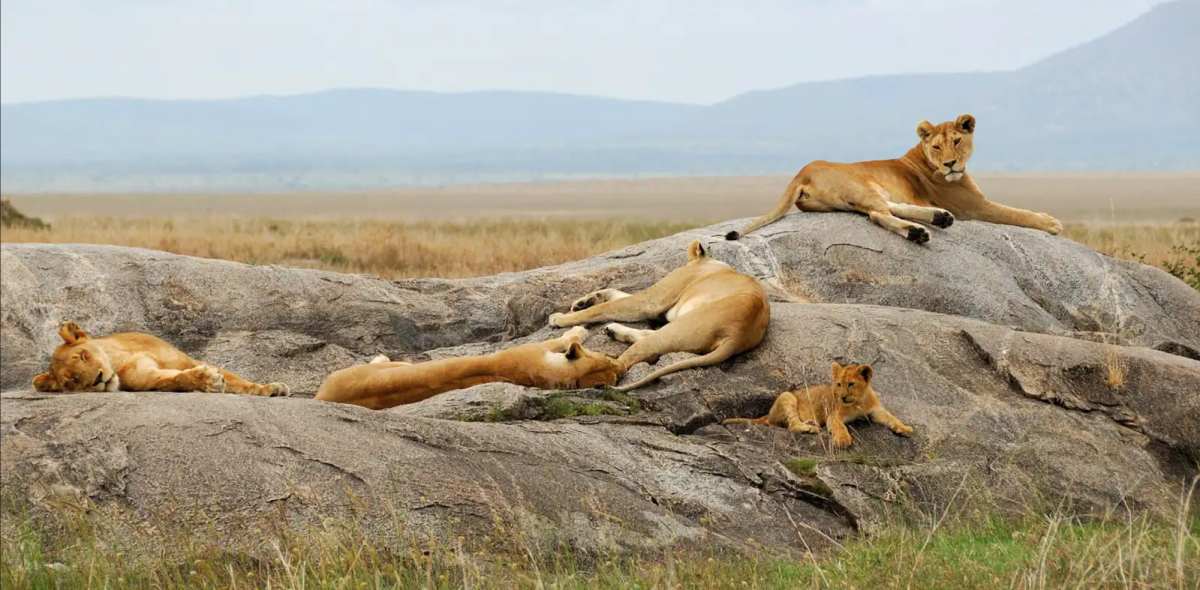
(680, 50)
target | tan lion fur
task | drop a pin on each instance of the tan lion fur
(848, 398)
(928, 184)
(560, 363)
(132, 361)
(711, 310)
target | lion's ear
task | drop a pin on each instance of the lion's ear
(71, 332)
(45, 382)
(965, 123)
(924, 129)
(867, 372)
(696, 251)
(835, 370)
(574, 351)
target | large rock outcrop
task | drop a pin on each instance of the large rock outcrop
(1033, 369)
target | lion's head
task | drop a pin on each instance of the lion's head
(78, 364)
(592, 369)
(851, 381)
(948, 146)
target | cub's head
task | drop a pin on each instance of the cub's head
(852, 382)
(78, 364)
(948, 146)
(576, 367)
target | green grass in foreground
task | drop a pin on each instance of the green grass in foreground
(989, 553)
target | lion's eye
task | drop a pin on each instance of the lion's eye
(957, 140)
(937, 148)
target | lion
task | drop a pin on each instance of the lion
(560, 363)
(133, 361)
(928, 184)
(711, 310)
(848, 398)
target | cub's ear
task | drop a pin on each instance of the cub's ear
(45, 382)
(574, 351)
(835, 369)
(924, 129)
(965, 123)
(71, 332)
(696, 251)
(867, 372)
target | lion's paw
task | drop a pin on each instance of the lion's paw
(556, 320)
(943, 219)
(278, 389)
(902, 430)
(918, 234)
(585, 302)
(207, 378)
(1053, 226)
(841, 442)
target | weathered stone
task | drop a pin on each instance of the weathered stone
(1033, 369)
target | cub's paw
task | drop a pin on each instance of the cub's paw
(841, 442)
(808, 427)
(902, 430)
(943, 219)
(918, 234)
(277, 390)
(379, 358)
(206, 378)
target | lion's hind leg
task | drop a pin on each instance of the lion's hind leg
(786, 414)
(931, 215)
(626, 334)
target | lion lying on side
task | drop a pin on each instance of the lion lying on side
(561, 363)
(132, 361)
(712, 310)
(848, 398)
(928, 184)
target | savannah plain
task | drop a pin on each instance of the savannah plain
(465, 231)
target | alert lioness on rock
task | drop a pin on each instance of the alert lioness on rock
(133, 361)
(711, 310)
(848, 398)
(560, 363)
(929, 184)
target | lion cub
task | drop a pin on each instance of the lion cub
(848, 398)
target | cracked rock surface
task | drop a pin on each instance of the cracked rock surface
(1032, 368)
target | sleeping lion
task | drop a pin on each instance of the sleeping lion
(132, 361)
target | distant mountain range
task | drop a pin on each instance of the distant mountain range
(1127, 101)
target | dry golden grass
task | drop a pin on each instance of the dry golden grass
(397, 250)
(389, 250)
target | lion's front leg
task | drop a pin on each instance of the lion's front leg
(144, 374)
(597, 297)
(235, 384)
(884, 417)
(630, 308)
(1002, 214)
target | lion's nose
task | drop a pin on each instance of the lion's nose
(949, 163)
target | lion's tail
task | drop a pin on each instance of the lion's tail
(762, 420)
(725, 350)
(785, 202)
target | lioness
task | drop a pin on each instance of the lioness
(132, 361)
(561, 363)
(929, 184)
(712, 310)
(848, 398)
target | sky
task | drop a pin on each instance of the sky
(696, 51)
